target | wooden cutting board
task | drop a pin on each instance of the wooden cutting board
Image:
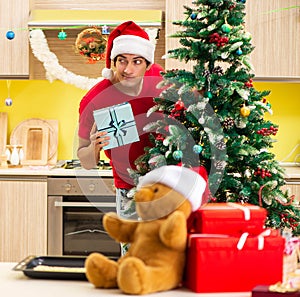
(35, 145)
(17, 136)
(3, 132)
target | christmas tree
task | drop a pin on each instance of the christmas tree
(212, 116)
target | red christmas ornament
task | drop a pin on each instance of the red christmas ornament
(159, 137)
(179, 105)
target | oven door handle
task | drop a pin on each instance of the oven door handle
(84, 204)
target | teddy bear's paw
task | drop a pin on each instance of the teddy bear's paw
(132, 276)
(173, 231)
(101, 271)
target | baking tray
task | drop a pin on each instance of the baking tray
(52, 267)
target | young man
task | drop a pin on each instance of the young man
(134, 80)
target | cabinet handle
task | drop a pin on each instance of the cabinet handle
(292, 183)
(84, 204)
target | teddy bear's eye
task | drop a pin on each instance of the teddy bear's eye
(155, 190)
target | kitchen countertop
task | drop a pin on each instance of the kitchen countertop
(52, 171)
(292, 171)
(16, 284)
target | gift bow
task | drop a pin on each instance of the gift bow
(117, 125)
(260, 238)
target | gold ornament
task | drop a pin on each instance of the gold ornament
(245, 111)
(91, 44)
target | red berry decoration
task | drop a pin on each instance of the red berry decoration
(264, 100)
(249, 83)
(267, 131)
(213, 38)
(218, 40)
(232, 6)
(223, 41)
(263, 173)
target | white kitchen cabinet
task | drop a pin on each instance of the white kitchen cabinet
(23, 217)
(274, 31)
(14, 57)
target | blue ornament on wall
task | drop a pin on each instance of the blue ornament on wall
(8, 101)
(62, 35)
(10, 35)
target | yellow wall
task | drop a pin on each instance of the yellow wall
(45, 100)
(285, 102)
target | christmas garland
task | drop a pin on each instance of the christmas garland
(54, 70)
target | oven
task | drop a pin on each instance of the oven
(76, 206)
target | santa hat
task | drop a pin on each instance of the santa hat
(183, 180)
(127, 38)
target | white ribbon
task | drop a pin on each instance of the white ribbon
(260, 238)
(241, 242)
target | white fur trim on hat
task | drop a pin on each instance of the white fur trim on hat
(107, 73)
(183, 180)
(131, 44)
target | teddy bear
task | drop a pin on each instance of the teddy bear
(165, 197)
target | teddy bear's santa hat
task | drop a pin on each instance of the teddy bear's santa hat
(183, 180)
(127, 38)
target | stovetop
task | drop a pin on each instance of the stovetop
(75, 164)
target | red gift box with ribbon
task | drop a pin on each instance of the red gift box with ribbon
(229, 218)
(224, 263)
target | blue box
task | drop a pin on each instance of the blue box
(118, 121)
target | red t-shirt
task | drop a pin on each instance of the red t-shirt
(105, 94)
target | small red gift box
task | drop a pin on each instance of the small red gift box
(229, 218)
(223, 263)
(263, 291)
